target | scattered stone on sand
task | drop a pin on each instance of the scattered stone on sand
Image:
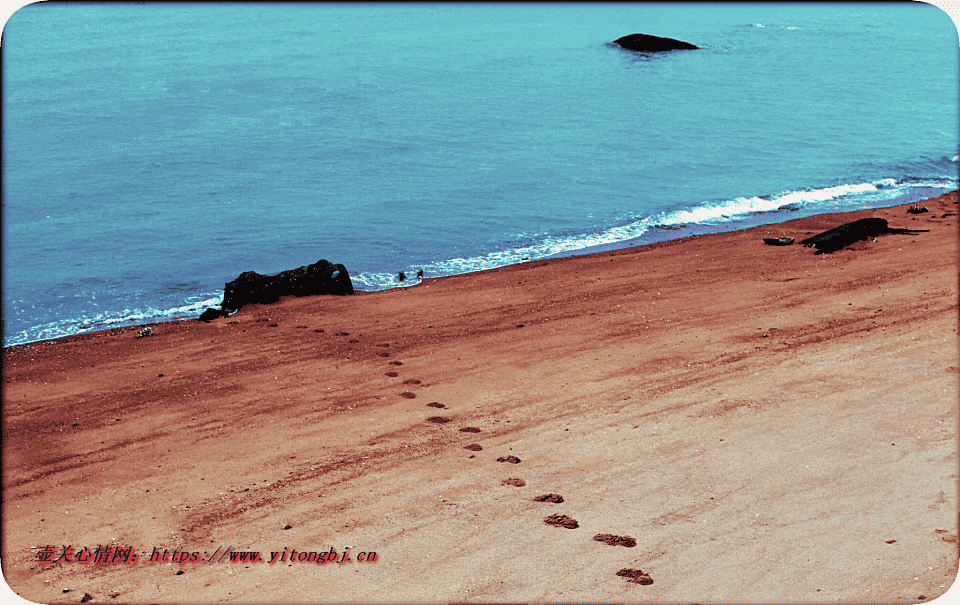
(438, 419)
(612, 540)
(393, 374)
(408, 395)
(473, 447)
(917, 209)
(469, 429)
(436, 404)
(287, 526)
(514, 482)
(554, 498)
(562, 521)
(86, 597)
(510, 459)
(636, 576)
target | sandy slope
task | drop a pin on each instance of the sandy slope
(769, 425)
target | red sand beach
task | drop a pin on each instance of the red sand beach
(704, 420)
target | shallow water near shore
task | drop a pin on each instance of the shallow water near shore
(152, 153)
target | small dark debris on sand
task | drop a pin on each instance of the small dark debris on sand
(438, 419)
(917, 209)
(778, 241)
(408, 395)
(636, 576)
(554, 498)
(393, 374)
(436, 404)
(469, 429)
(411, 381)
(562, 521)
(514, 482)
(510, 459)
(612, 540)
(86, 597)
(396, 363)
(473, 447)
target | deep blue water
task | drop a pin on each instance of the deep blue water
(153, 152)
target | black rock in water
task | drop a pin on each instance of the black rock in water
(322, 277)
(651, 44)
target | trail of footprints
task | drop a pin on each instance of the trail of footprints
(636, 576)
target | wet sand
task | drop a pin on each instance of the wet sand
(704, 420)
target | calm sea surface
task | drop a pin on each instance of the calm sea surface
(153, 152)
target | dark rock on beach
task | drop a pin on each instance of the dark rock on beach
(322, 277)
(651, 44)
(844, 235)
(212, 313)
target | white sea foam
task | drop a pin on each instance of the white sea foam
(850, 196)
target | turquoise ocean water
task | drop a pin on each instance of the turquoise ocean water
(153, 152)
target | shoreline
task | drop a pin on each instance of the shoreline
(764, 423)
(742, 224)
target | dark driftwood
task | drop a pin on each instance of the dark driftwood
(844, 235)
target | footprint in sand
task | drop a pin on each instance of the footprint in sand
(514, 482)
(612, 540)
(436, 404)
(562, 521)
(636, 576)
(408, 395)
(510, 459)
(393, 374)
(473, 447)
(411, 381)
(396, 363)
(553, 498)
(469, 429)
(438, 419)
(343, 333)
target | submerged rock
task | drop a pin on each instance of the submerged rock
(651, 44)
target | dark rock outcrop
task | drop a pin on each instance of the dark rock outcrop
(643, 43)
(844, 235)
(322, 277)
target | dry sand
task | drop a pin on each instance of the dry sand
(765, 423)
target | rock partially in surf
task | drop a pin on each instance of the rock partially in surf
(211, 314)
(642, 43)
(844, 235)
(322, 277)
